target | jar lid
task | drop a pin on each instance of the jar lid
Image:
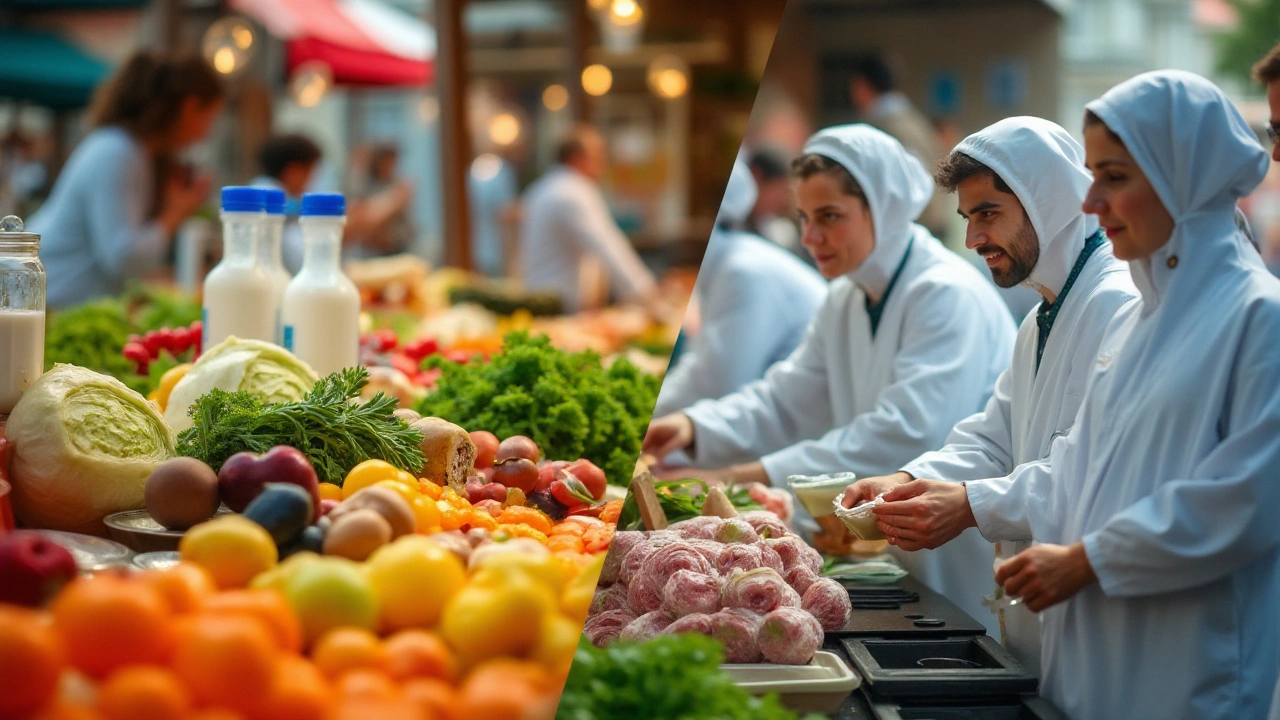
(11, 230)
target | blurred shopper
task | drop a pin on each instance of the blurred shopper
(568, 239)
(772, 218)
(23, 175)
(378, 221)
(493, 190)
(288, 162)
(1156, 571)
(873, 88)
(119, 199)
(1020, 183)
(909, 341)
(756, 300)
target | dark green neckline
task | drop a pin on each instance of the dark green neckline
(875, 310)
(1048, 313)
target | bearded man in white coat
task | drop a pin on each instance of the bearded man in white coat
(909, 341)
(756, 301)
(1157, 568)
(1021, 183)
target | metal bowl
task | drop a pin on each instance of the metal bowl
(92, 553)
(136, 529)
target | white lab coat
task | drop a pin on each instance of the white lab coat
(1169, 475)
(848, 401)
(756, 300)
(1044, 167)
(567, 234)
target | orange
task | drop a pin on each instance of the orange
(611, 512)
(368, 684)
(216, 714)
(450, 517)
(143, 692)
(534, 518)
(298, 692)
(345, 649)
(329, 491)
(564, 543)
(418, 653)
(361, 708)
(31, 661)
(184, 586)
(576, 529)
(63, 710)
(482, 519)
(430, 489)
(107, 623)
(226, 661)
(366, 474)
(436, 697)
(597, 539)
(524, 685)
(269, 606)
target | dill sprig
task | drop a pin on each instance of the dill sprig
(334, 433)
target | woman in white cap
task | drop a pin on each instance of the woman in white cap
(909, 341)
(1021, 184)
(1158, 573)
(756, 300)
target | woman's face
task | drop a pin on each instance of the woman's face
(1126, 205)
(194, 121)
(835, 227)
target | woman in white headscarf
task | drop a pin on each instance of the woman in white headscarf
(756, 300)
(909, 341)
(1158, 580)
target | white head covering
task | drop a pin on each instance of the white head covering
(1044, 167)
(739, 194)
(897, 188)
(1200, 157)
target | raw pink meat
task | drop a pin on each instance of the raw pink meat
(710, 549)
(789, 636)
(800, 577)
(644, 593)
(689, 592)
(613, 597)
(695, 623)
(739, 556)
(762, 590)
(794, 551)
(737, 530)
(622, 544)
(828, 601)
(738, 630)
(665, 561)
(702, 527)
(604, 628)
(645, 627)
(766, 523)
(770, 557)
(634, 560)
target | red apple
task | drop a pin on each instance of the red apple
(590, 475)
(33, 568)
(486, 448)
(244, 475)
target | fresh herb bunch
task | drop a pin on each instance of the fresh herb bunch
(672, 677)
(335, 434)
(568, 403)
(681, 500)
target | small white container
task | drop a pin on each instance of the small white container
(821, 686)
(860, 520)
(817, 492)
(270, 255)
(321, 308)
(239, 298)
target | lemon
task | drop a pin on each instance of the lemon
(413, 578)
(557, 642)
(233, 549)
(331, 592)
(497, 614)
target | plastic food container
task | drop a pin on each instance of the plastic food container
(816, 493)
(860, 520)
(821, 686)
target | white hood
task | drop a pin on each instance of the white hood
(1044, 167)
(739, 194)
(897, 188)
(1200, 156)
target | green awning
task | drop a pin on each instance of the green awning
(42, 68)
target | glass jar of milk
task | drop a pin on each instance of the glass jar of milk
(22, 293)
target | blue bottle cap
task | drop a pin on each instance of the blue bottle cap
(330, 204)
(275, 201)
(243, 199)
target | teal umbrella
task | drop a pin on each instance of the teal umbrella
(41, 68)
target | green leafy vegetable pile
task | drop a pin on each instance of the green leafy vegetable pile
(335, 435)
(681, 500)
(566, 402)
(672, 677)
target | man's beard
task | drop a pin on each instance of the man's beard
(1023, 254)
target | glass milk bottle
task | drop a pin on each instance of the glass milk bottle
(22, 293)
(321, 310)
(239, 297)
(269, 251)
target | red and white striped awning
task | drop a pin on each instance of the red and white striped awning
(362, 41)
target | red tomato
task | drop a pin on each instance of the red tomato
(590, 475)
